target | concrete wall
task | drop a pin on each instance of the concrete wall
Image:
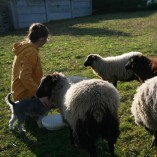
(25, 12)
(4, 16)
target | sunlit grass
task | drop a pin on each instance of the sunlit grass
(70, 43)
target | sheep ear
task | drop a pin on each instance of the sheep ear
(94, 57)
(131, 60)
(43, 77)
(55, 78)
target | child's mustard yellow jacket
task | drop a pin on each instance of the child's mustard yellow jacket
(26, 71)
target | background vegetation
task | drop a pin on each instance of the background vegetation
(123, 5)
(70, 43)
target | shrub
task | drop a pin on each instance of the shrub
(118, 5)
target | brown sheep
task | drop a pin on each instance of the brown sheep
(143, 67)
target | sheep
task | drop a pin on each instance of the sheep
(144, 107)
(75, 79)
(143, 67)
(89, 108)
(111, 68)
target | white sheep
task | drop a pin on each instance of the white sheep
(144, 107)
(89, 108)
(112, 68)
(75, 79)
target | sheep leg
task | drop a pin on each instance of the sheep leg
(111, 148)
(92, 151)
(154, 141)
(149, 130)
(71, 133)
(114, 83)
(71, 136)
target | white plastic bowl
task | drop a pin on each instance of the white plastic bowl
(53, 122)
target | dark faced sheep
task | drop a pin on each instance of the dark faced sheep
(89, 108)
(112, 68)
(144, 107)
(143, 67)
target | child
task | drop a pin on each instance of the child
(27, 70)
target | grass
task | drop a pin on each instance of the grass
(70, 43)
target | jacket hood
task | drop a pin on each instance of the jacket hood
(19, 47)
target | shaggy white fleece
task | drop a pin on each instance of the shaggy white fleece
(144, 106)
(95, 95)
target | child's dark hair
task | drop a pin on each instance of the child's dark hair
(36, 31)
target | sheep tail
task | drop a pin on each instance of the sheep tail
(98, 114)
(8, 99)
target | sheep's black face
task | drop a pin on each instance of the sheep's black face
(45, 87)
(46, 84)
(129, 64)
(138, 64)
(134, 63)
(89, 61)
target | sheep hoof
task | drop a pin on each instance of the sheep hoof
(153, 144)
(22, 131)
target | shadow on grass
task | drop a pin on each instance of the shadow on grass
(71, 26)
(45, 143)
(65, 27)
(56, 143)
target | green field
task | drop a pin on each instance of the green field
(70, 43)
